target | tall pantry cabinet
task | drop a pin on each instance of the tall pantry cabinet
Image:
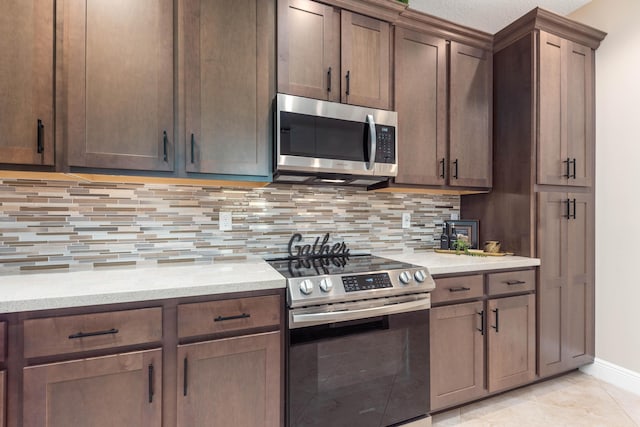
(542, 199)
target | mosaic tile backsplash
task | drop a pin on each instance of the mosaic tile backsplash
(62, 226)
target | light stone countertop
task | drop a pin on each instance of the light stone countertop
(43, 291)
(437, 263)
(51, 290)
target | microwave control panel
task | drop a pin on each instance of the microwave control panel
(385, 144)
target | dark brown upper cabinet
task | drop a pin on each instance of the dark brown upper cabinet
(566, 138)
(470, 126)
(230, 82)
(333, 54)
(26, 82)
(443, 98)
(117, 90)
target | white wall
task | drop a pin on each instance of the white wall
(617, 180)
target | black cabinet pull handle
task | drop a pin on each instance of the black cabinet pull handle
(497, 319)
(481, 314)
(150, 383)
(455, 169)
(568, 207)
(442, 165)
(238, 316)
(193, 144)
(574, 169)
(515, 282)
(93, 334)
(40, 141)
(568, 167)
(348, 77)
(165, 142)
(459, 289)
(329, 80)
(185, 379)
(573, 202)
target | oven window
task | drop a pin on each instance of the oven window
(372, 372)
(321, 137)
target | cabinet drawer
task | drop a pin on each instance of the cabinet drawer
(511, 281)
(70, 334)
(457, 288)
(227, 315)
(3, 340)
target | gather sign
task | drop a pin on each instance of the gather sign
(318, 249)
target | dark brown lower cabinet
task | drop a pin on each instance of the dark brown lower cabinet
(511, 341)
(230, 382)
(457, 354)
(117, 390)
(2, 405)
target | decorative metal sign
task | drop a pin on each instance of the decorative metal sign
(319, 249)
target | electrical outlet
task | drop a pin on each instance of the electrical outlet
(455, 216)
(406, 220)
(225, 221)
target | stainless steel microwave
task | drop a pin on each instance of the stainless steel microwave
(321, 142)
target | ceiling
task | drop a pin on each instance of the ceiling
(491, 15)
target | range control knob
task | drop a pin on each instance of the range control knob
(306, 286)
(420, 275)
(405, 277)
(326, 285)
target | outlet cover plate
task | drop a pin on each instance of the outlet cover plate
(225, 221)
(406, 220)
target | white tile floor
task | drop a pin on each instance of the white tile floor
(575, 399)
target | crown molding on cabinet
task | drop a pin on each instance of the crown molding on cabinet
(387, 10)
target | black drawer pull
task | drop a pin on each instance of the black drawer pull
(151, 383)
(329, 80)
(515, 282)
(455, 169)
(348, 79)
(185, 379)
(40, 147)
(496, 311)
(442, 164)
(574, 168)
(237, 316)
(165, 142)
(459, 289)
(481, 314)
(568, 164)
(93, 334)
(193, 146)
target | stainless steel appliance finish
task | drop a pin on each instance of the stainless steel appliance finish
(333, 143)
(358, 341)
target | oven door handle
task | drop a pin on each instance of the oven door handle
(309, 319)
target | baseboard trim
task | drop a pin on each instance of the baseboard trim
(614, 374)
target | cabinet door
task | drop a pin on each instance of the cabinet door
(457, 354)
(565, 108)
(118, 390)
(26, 82)
(470, 147)
(309, 49)
(230, 382)
(552, 289)
(421, 103)
(2, 398)
(118, 83)
(580, 302)
(365, 61)
(230, 83)
(511, 341)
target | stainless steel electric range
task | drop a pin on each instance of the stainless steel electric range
(358, 341)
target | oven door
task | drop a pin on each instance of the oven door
(366, 372)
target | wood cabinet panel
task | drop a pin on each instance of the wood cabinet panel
(421, 103)
(233, 381)
(26, 82)
(230, 83)
(228, 315)
(470, 129)
(309, 49)
(3, 387)
(457, 354)
(3, 340)
(60, 335)
(365, 59)
(118, 84)
(511, 282)
(511, 341)
(122, 389)
(457, 288)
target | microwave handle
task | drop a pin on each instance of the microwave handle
(372, 142)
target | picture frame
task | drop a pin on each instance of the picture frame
(465, 227)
